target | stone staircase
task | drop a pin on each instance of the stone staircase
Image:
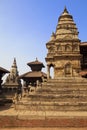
(62, 94)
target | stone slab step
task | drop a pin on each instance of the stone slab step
(68, 79)
(52, 107)
(61, 90)
(59, 100)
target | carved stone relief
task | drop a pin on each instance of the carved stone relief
(59, 47)
(68, 69)
(68, 47)
(75, 47)
(51, 49)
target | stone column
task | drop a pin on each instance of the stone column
(48, 71)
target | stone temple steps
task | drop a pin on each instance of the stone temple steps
(52, 106)
(58, 98)
(58, 94)
(67, 82)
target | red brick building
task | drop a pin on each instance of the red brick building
(83, 51)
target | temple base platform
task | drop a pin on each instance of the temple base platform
(62, 94)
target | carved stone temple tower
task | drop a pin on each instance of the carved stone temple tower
(67, 91)
(12, 81)
(64, 48)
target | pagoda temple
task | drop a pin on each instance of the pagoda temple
(35, 75)
(67, 90)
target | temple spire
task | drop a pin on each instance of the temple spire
(14, 63)
(12, 78)
(65, 10)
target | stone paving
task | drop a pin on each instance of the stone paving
(25, 114)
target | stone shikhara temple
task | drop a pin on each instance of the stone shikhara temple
(60, 101)
(64, 48)
(12, 82)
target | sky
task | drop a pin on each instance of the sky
(26, 27)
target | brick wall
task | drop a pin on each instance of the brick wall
(13, 121)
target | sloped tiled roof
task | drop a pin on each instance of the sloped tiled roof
(3, 70)
(83, 44)
(33, 74)
(36, 62)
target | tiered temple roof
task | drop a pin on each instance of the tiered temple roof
(35, 73)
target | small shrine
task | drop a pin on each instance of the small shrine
(12, 82)
(35, 76)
